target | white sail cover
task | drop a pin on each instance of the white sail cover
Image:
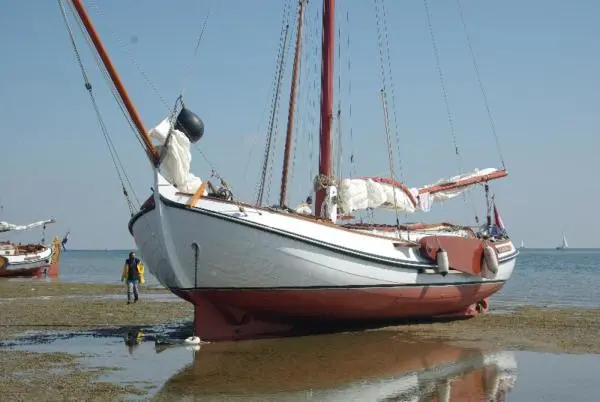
(453, 192)
(9, 227)
(358, 194)
(175, 167)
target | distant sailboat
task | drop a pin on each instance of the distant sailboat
(522, 244)
(564, 243)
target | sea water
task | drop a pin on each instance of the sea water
(542, 277)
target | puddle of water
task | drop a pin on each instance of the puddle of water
(359, 366)
(130, 350)
(366, 366)
(557, 377)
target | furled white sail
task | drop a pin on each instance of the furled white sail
(9, 227)
(359, 194)
(452, 192)
(175, 166)
(363, 193)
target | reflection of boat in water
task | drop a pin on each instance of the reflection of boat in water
(366, 366)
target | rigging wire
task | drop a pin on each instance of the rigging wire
(338, 120)
(150, 231)
(286, 52)
(443, 87)
(266, 108)
(255, 140)
(121, 173)
(314, 140)
(132, 57)
(390, 156)
(269, 140)
(267, 173)
(352, 155)
(108, 80)
(479, 80)
(298, 105)
(307, 89)
(384, 102)
(147, 78)
(119, 100)
(438, 65)
(198, 41)
(351, 131)
(384, 27)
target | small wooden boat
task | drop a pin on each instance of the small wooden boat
(28, 260)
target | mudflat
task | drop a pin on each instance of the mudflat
(553, 330)
(27, 306)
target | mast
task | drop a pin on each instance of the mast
(91, 30)
(290, 122)
(325, 170)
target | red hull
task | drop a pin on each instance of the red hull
(43, 270)
(228, 314)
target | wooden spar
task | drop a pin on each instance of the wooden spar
(463, 183)
(326, 99)
(290, 122)
(436, 188)
(197, 195)
(91, 30)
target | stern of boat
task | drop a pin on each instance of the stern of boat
(54, 266)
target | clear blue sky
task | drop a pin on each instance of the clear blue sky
(538, 59)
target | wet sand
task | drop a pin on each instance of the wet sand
(553, 330)
(45, 306)
(34, 288)
(27, 306)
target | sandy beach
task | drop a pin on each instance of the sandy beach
(37, 308)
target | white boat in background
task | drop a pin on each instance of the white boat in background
(564, 244)
(253, 270)
(28, 260)
(522, 246)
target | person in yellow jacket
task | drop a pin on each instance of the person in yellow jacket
(133, 275)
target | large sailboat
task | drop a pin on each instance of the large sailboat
(253, 270)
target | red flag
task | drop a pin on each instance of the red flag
(497, 219)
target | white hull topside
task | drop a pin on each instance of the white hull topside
(28, 260)
(257, 248)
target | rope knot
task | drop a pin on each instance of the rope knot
(321, 181)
